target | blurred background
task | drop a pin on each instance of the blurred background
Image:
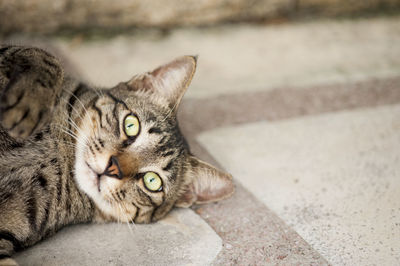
(243, 45)
(298, 99)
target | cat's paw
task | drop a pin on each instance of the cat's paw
(8, 262)
(22, 115)
(29, 88)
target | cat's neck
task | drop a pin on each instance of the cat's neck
(71, 204)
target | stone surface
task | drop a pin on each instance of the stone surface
(333, 178)
(254, 235)
(182, 238)
(122, 14)
(247, 58)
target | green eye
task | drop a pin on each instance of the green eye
(131, 126)
(152, 181)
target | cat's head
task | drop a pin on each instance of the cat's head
(131, 157)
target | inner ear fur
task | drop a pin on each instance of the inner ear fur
(168, 81)
(206, 184)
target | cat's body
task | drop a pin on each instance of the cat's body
(74, 154)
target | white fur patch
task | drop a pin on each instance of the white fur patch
(87, 179)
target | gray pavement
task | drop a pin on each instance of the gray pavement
(179, 239)
(333, 178)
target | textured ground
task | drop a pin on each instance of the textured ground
(307, 119)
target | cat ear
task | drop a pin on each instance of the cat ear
(169, 81)
(208, 184)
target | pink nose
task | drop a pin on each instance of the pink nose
(113, 169)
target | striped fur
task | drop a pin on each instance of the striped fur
(59, 137)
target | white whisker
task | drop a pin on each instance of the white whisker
(126, 218)
(80, 102)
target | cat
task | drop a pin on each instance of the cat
(71, 153)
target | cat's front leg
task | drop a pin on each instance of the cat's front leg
(30, 82)
(6, 249)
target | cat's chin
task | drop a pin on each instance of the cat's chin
(95, 176)
(90, 183)
(96, 186)
(88, 180)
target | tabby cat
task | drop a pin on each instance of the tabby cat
(71, 153)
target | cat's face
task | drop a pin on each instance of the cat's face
(131, 157)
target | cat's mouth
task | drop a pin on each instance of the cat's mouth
(97, 176)
(112, 170)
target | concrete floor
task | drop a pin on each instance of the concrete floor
(334, 178)
(306, 118)
(180, 239)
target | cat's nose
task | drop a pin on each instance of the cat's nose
(113, 169)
